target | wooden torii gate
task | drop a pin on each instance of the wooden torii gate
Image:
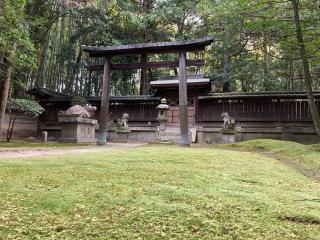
(143, 49)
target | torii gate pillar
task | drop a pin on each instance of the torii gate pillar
(183, 100)
(104, 111)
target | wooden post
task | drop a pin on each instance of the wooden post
(183, 101)
(104, 111)
(144, 84)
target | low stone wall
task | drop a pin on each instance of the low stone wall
(305, 135)
(212, 135)
(24, 127)
(136, 134)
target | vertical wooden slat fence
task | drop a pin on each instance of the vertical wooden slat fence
(255, 110)
(139, 113)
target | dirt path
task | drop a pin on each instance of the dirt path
(61, 151)
(310, 173)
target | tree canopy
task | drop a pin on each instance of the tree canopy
(24, 107)
(255, 50)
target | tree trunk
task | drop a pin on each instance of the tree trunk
(5, 86)
(306, 67)
(77, 89)
(147, 6)
(10, 128)
(266, 77)
(144, 83)
(226, 59)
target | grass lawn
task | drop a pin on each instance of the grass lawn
(306, 155)
(157, 192)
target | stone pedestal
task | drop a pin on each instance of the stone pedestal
(122, 130)
(77, 129)
(162, 137)
(227, 136)
(122, 136)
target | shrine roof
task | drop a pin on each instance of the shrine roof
(156, 47)
(48, 93)
(122, 99)
(173, 81)
(248, 95)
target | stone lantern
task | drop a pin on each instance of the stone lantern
(162, 118)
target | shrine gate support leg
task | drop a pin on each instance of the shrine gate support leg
(104, 111)
(183, 100)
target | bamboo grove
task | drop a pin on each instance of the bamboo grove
(255, 49)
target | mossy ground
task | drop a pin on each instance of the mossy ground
(307, 155)
(157, 192)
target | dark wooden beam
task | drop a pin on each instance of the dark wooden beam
(183, 101)
(167, 50)
(144, 83)
(141, 65)
(104, 111)
(148, 48)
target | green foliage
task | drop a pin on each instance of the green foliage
(255, 47)
(24, 107)
(181, 17)
(16, 45)
(78, 100)
(15, 30)
(259, 39)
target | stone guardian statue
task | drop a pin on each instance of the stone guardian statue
(123, 129)
(228, 122)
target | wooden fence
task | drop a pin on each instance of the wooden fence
(141, 113)
(206, 111)
(270, 110)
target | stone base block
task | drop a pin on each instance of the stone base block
(78, 131)
(227, 138)
(77, 140)
(122, 137)
(216, 135)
